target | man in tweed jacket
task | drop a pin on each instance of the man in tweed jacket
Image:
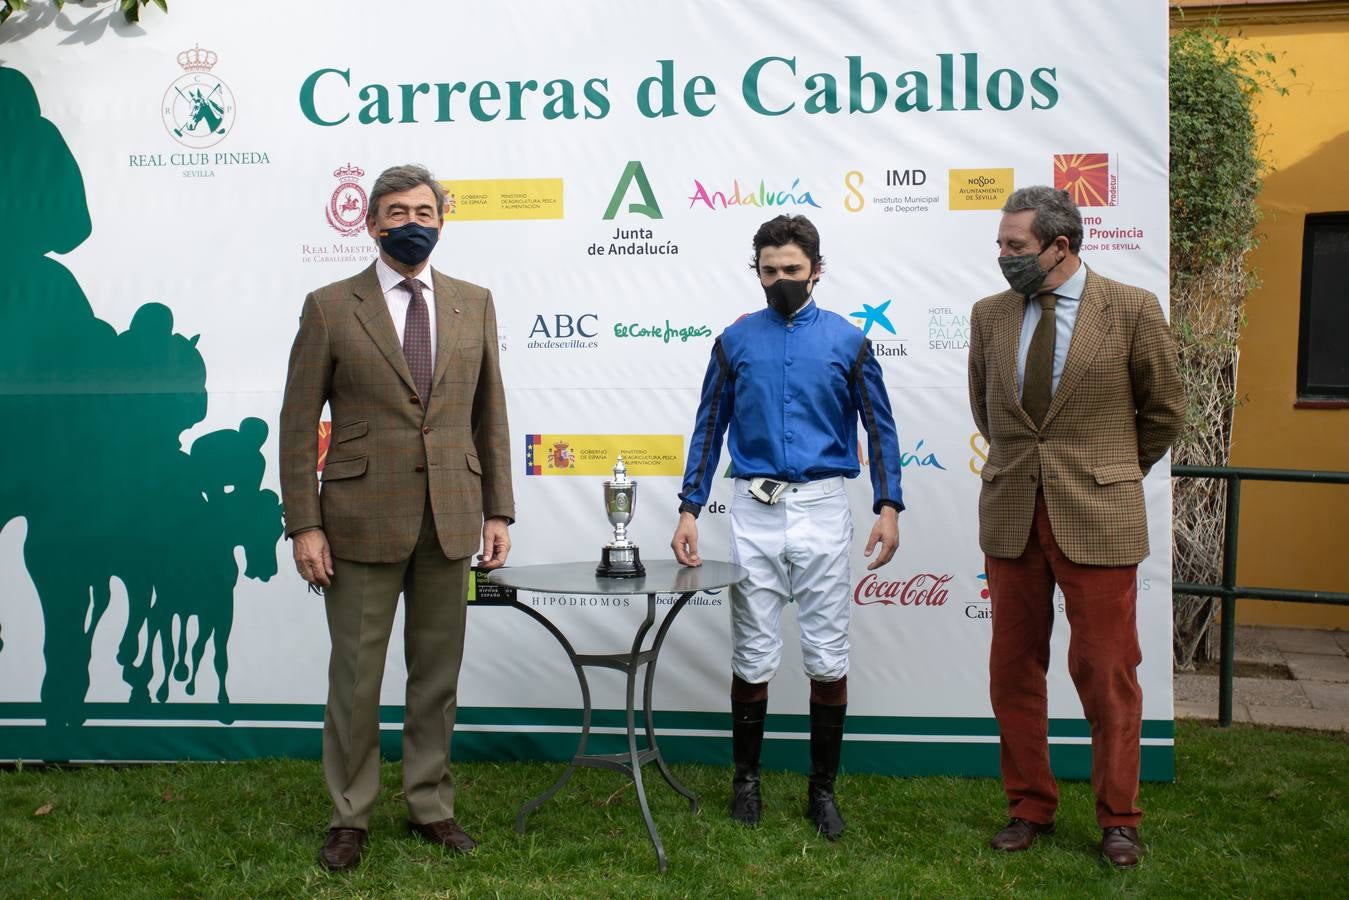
(1075, 412)
(418, 468)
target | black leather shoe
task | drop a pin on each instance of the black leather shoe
(445, 832)
(1120, 845)
(342, 850)
(1019, 835)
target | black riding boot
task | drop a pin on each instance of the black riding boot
(826, 744)
(746, 742)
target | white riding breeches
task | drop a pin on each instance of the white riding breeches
(796, 549)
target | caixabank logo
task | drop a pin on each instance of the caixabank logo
(875, 322)
(1091, 179)
(198, 112)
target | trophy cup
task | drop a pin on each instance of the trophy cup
(620, 558)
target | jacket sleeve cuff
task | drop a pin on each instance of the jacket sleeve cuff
(688, 507)
(895, 505)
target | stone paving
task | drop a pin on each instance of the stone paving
(1314, 693)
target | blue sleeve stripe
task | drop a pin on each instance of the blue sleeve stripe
(713, 397)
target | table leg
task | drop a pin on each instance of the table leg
(647, 706)
(567, 773)
(633, 754)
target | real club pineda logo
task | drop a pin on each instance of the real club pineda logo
(198, 108)
(1091, 179)
(348, 205)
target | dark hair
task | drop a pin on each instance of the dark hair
(778, 232)
(1055, 214)
(397, 179)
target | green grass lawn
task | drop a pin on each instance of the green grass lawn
(1254, 812)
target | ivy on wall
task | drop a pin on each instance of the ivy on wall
(1216, 172)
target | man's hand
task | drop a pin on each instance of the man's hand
(685, 542)
(885, 533)
(313, 560)
(496, 543)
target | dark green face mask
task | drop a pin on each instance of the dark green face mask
(1023, 272)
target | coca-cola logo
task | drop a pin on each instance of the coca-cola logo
(923, 589)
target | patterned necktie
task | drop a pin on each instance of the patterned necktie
(1038, 387)
(417, 340)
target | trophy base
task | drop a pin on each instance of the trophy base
(620, 562)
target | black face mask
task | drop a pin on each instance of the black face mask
(410, 244)
(786, 296)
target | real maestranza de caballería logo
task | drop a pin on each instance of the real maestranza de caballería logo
(348, 204)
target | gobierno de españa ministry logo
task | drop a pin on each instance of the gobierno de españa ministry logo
(198, 108)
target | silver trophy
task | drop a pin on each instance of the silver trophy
(620, 558)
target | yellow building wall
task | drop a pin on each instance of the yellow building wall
(1293, 536)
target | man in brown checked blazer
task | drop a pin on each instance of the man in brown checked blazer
(1073, 382)
(418, 467)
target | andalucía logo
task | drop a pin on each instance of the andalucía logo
(1091, 179)
(348, 204)
(761, 198)
(923, 589)
(198, 108)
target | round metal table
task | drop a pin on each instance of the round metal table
(662, 577)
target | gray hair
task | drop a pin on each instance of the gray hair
(397, 179)
(1055, 213)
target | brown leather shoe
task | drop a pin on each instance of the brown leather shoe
(342, 850)
(447, 833)
(1120, 845)
(1019, 835)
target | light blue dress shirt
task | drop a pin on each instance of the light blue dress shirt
(1065, 317)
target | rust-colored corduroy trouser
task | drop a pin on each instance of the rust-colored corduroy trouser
(1103, 658)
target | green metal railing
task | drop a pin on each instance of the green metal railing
(1229, 591)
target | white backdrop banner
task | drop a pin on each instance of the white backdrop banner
(173, 191)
